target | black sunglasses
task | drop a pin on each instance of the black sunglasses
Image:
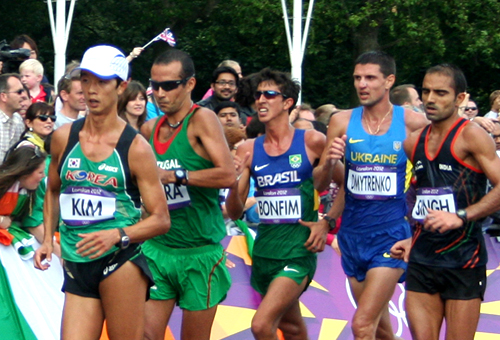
(268, 94)
(44, 118)
(19, 92)
(470, 108)
(168, 85)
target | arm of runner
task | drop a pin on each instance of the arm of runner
(142, 164)
(415, 121)
(334, 150)
(238, 193)
(486, 123)
(207, 128)
(401, 250)
(51, 204)
(320, 229)
(480, 146)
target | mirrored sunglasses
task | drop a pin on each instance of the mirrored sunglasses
(268, 94)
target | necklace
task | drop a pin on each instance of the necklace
(379, 124)
(176, 125)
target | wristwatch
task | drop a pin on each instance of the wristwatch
(180, 176)
(332, 222)
(462, 214)
(124, 239)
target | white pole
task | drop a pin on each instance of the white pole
(60, 43)
(297, 44)
(306, 28)
(287, 28)
(68, 24)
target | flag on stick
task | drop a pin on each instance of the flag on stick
(166, 36)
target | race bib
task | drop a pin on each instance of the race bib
(372, 182)
(82, 206)
(177, 196)
(435, 199)
(276, 206)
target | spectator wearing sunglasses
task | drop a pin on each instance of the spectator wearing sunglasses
(225, 83)
(39, 122)
(194, 163)
(11, 123)
(281, 162)
(471, 110)
(99, 171)
(71, 96)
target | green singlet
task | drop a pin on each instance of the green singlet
(95, 195)
(195, 212)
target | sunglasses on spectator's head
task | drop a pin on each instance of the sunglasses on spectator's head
(44, 118)
(168, 85)
(269, 94)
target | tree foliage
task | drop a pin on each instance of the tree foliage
(418, 33)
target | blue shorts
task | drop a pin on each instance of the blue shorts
(366, 250)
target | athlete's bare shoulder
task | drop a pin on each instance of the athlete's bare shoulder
(147, 127)
(60, 140)
(244, 148)
(414, 121)
(338, 123)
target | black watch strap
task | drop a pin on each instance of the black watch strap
(180, 176)
(332, 222)
(462, 214)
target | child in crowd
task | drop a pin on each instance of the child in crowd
(31, 72)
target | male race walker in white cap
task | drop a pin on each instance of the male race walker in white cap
(100, 170)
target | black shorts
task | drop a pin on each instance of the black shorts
(450, 283)
(83, 279)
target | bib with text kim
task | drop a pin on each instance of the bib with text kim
(82, 206)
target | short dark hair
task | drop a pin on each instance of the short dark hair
(255, 128)
(172, 55)
(400, 94)
(4, 81)
(225, 104)
(246, 90)
(65, 83)
(288, 87)
(459, 83)
(386, 63)
(225, 69)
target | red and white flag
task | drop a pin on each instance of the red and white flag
(167, 36)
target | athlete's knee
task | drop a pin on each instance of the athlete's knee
(152, 334)
(293, 331)
(363, 327)
(262, 328)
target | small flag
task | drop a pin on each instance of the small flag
(168, 37)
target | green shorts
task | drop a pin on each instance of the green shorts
(265, 270)
(197, 278)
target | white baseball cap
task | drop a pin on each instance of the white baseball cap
(106, 62)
